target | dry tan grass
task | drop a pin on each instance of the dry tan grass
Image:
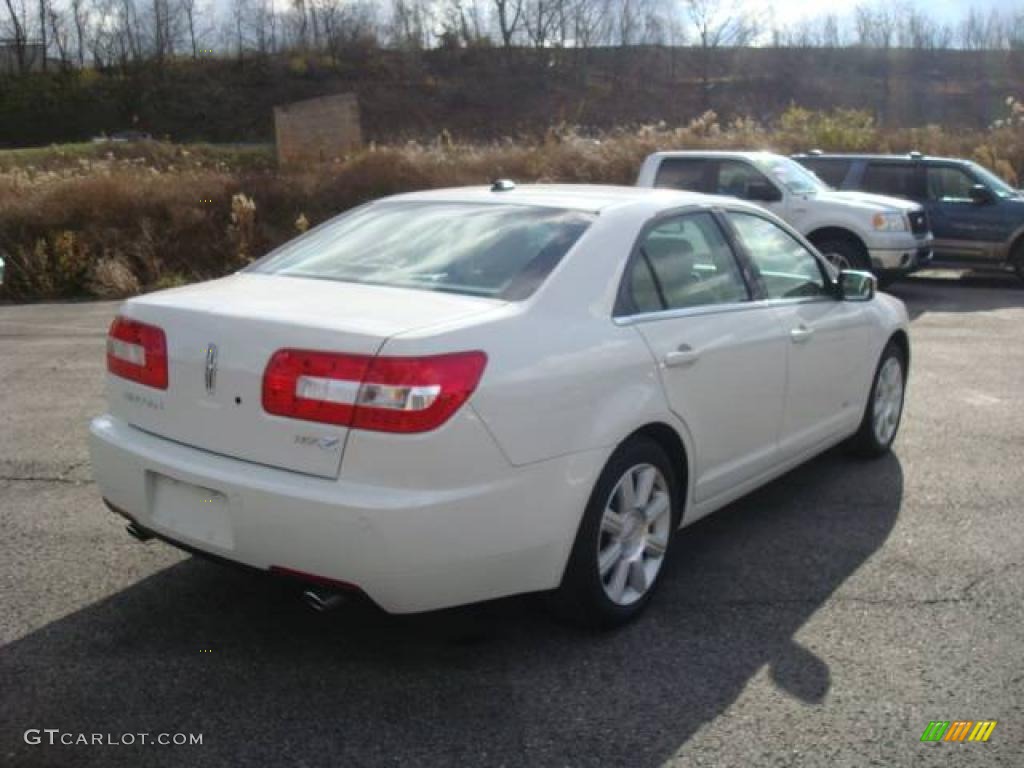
(164, 223)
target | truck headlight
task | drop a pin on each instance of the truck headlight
(889, 222)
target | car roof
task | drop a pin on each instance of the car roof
(592, 198)
(718, 153)
(859, 156)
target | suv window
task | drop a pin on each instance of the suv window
(682, 173)
(831, 170)
(948, 181)
(788, 270)
(736, 177)
(896, 179)
(684, 262)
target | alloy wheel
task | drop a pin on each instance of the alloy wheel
(888, 400)
(634, 534)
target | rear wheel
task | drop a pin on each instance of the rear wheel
(623, 539)
(885, 405)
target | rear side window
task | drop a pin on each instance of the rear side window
(682, 173)
(480, 249)
(830, 170)
(896, 179)
(948, 181)
(787, 269)
(684, 262)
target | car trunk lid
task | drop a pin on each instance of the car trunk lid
(220, 336)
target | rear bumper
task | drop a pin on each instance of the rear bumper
(408, 549)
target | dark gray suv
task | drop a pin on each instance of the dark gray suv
(976, 217)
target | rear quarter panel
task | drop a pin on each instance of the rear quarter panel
(561, 376)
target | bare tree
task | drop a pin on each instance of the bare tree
(410, 24)
(510, 14)
(59, 36)
(188, 8)
(79, 17)
(538, 19)
(717, 25)
(236, 30)
(590, 22)
(17, 22)
(43, 17)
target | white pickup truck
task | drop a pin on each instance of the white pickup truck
(852, 230)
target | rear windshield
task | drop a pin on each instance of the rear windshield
(479, 249)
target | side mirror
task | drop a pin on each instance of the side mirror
(763, 192)
(856, 286)
(981, 194)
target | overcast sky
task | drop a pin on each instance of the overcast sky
(788, 11)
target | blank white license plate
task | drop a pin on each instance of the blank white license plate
(191, 511)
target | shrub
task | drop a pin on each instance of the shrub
(75, 221)
(112, 278)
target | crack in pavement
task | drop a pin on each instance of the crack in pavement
(61, 477)
(42, 479)
(964, 596)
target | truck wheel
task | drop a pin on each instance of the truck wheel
(844, 254)
(1018, 259)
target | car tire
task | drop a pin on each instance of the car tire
(844, 254)
(884, 408)
(623, 538)
(1018, 259)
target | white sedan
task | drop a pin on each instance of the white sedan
(450, 396)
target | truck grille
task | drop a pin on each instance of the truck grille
(918, 222)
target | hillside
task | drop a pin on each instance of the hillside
(485, 93)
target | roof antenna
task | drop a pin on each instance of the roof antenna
(502, 185)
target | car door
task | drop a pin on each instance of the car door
(827, 339)
(722, 357)
(963, 228)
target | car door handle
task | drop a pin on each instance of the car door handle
(684, 355)
(801, 334)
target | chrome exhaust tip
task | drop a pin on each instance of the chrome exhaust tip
(138, 532)
(322, 600)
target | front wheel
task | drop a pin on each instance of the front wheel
(623, 539)
(844, 254)
(885, 405)
(1018, 260)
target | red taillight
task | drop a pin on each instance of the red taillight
(315, 386)
(385, 394)
(137, 352)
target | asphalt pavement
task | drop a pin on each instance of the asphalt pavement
(825, 619)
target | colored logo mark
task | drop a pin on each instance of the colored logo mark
(959, 730)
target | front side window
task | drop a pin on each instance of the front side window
(682, 173)
(788, 270)
(742, 180)
(684, 262)
(993, 182)
(789, 173)
(480, 249)
(947, 181)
